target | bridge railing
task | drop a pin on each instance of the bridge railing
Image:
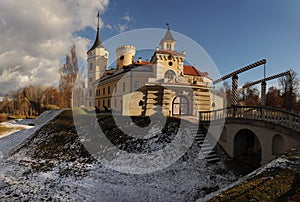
(277, 116)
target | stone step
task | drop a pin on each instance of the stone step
(214, 160)
(206, 148)
(200, 143)
(206, 144)
(212, 155)
(207, 152)
(198, 137)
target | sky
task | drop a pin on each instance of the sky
(35, 35)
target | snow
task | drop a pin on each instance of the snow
(23, 178)
(14, 138)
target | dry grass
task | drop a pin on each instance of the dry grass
(4, 129)
(275, 184)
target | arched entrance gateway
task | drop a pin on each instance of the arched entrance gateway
(247, 146)
(180, 106)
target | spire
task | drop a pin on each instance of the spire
(168, 35)
(168, 42)
(98, 41)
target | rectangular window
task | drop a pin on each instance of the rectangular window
(91, 79)
(135, 85)
(124, 87)
(108, 103)
(98, 103)
(103, 103)
(116, 88)
(108, 90)
(103, 91)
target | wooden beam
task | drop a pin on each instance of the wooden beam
(268, 78)
(246, 68)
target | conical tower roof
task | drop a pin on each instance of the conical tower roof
(168, 36)
(98, 41)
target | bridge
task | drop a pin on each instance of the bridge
(262, 132)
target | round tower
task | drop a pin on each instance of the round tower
(125, 55)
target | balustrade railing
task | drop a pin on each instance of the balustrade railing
(277, 116)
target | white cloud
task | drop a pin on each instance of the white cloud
(121, 27)
(108, 26)
(127, 17)
(35, 35)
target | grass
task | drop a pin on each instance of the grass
(78, 110)
(275, 184)
(4, 129)
(12, 117)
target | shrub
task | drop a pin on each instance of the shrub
(3, 117)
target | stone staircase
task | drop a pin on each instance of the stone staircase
(205, 145)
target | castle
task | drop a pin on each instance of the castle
(164, 84)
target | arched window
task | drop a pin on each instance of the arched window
(180, 106)
(277, 145)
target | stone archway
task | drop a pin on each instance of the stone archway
(180, 106)
(247, 146)
(277, 145)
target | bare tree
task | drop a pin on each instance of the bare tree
(290, 90)
(79, 89)
(225, 92)
(68, 73)
(273, 98)
(251, 96)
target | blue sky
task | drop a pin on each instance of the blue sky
(35, 35)
(234, 33)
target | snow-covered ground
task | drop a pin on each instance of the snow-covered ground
(24, 178)
(13, 139)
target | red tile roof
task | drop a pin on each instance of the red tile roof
(142, 63)
(193, 71)
(168, 52)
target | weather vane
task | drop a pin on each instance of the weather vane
(168, 25)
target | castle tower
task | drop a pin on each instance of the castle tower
(168, 42)
(125, 55)
(97, 62)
